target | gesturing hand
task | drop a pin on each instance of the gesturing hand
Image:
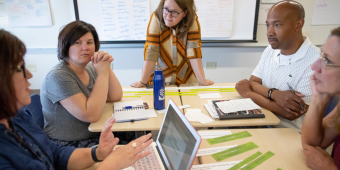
(127, 155)
(290, 102)
(107, 141)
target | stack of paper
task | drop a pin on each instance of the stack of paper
(237, 105)
(195, 115)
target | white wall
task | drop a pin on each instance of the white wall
(233, 64)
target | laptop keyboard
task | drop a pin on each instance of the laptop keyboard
(149, 162)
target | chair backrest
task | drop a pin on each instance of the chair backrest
(35, 109)
(331, 105)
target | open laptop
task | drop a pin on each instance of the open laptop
(176, 145)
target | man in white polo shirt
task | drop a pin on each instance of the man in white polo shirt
(287, 60)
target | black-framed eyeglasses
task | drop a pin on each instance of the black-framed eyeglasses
(174, 14)
(326, 62)
(22, 68)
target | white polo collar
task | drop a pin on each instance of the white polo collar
(301, 52)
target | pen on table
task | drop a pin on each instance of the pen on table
(131, 107)
(293, 91)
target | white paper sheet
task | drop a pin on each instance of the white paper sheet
(194, 112)
(211, 25)
(213, 134)
(28, 12)
(184, 106)
(161, 111)
(237, 105)
(210, 151)
(210, 95)
(202, 118)
(326, 12)
(191, 119)
(215, 166)
(151, 113)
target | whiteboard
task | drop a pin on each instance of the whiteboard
(116, 19)
(243, 19)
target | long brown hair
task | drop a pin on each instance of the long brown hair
(187, 21)
(11, 54)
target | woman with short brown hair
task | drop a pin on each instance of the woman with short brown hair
(74, 92)
(174, 41)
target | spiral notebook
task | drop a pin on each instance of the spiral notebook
(129, 111)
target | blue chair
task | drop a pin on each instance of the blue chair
(331, 105)
(35, 110)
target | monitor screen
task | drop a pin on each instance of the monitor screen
(176, 140)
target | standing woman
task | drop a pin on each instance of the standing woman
(74, 92)
(174, 41)
(319, 132)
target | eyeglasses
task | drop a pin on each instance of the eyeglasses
(22, 68)
(173, 13)
(326, 62)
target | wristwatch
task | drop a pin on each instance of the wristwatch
(93, 153)
(270, 91)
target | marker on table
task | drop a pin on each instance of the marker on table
(293, 91)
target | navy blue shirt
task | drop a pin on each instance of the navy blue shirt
(28, 147)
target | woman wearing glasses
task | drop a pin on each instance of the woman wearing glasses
(319, 132)
(74, 92)
(174, 41)
(23, 144)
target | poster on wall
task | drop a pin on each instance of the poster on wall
(28, 12)
(326, 12)
(3, 15)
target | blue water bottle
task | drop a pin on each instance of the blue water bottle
(158, 89)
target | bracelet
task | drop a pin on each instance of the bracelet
(270, 91)
(143, 83)
(93, 154)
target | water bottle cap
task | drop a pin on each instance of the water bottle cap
(158, 67)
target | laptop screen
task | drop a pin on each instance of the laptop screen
(176, 140)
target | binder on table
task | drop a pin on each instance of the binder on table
(237, 109)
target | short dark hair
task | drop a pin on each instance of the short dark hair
(12, 52)
(70, 33)
(336, 32)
